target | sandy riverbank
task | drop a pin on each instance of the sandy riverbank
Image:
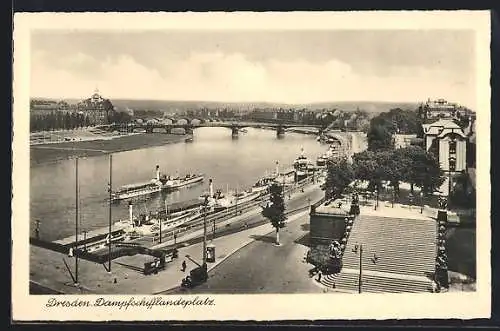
(47, 153)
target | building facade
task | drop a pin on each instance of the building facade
(440, 108)
(98, 109)
(403, 140)
(327, 223)
(448, 142)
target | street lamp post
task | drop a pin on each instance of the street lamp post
(376, 198)
(393, 195)
(213, 230)
(359, 248)
(205, 233)
(236, 201)
(85, 240)
(37, 229)
(76, 220)
(159, 220)
(421, 202)
(110, 189)
(449, 182)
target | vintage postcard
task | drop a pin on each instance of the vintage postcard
(251, 166)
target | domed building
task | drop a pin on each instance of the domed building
(98, 109)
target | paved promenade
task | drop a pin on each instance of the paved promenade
(47, 268)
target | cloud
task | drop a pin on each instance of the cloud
(220, 76)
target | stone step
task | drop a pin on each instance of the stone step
(370, 283)
(404, 247)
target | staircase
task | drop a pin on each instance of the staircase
(398, 256)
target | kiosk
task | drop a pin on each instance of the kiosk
(211, 253)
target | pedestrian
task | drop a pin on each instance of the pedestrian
(434, 287)
(319, 276)
(183, 266)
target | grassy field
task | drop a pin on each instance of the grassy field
(46, 153)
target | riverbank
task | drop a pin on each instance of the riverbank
(48, 153)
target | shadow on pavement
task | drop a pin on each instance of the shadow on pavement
(305, 227)
(304, 240)
(267, 239)
(131, 267)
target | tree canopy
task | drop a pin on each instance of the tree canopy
(340, 175)
(276, 211)
(379, 137)
(411, 164)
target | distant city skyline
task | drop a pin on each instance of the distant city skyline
(289, 67)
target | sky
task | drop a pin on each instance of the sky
(256, 66)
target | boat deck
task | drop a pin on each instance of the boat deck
(89, 235)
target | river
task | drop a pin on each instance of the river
(233, 163)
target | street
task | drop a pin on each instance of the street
(262, 267)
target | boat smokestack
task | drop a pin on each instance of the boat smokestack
(157, 172)
(277, 167)
(131, 212)
(211, 188)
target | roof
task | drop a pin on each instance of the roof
(444, 132)
(438, 127)
(333, 208)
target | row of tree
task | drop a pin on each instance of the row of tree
(59, 120)
(411, 164)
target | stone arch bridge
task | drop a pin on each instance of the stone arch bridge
(189, 125)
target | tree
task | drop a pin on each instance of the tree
(463, 194)
(379, 138)
(365, 166)
(340, 175)
(423, 168)
(276, 211)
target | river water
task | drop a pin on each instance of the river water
(231, 163)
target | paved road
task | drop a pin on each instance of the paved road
(261, 267)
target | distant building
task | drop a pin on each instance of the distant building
(97, 108)
(448, 142)
(440, 108)
(404, 140)
(41, 106)
(262, 115)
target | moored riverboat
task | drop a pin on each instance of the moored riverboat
(189, 179)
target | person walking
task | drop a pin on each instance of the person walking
(184, 266)
(319, 276)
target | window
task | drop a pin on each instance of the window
(453, 147)
(452, 165)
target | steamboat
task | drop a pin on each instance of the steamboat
(129, 191)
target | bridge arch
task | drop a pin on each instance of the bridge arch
(167, 121)
(195, 121)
